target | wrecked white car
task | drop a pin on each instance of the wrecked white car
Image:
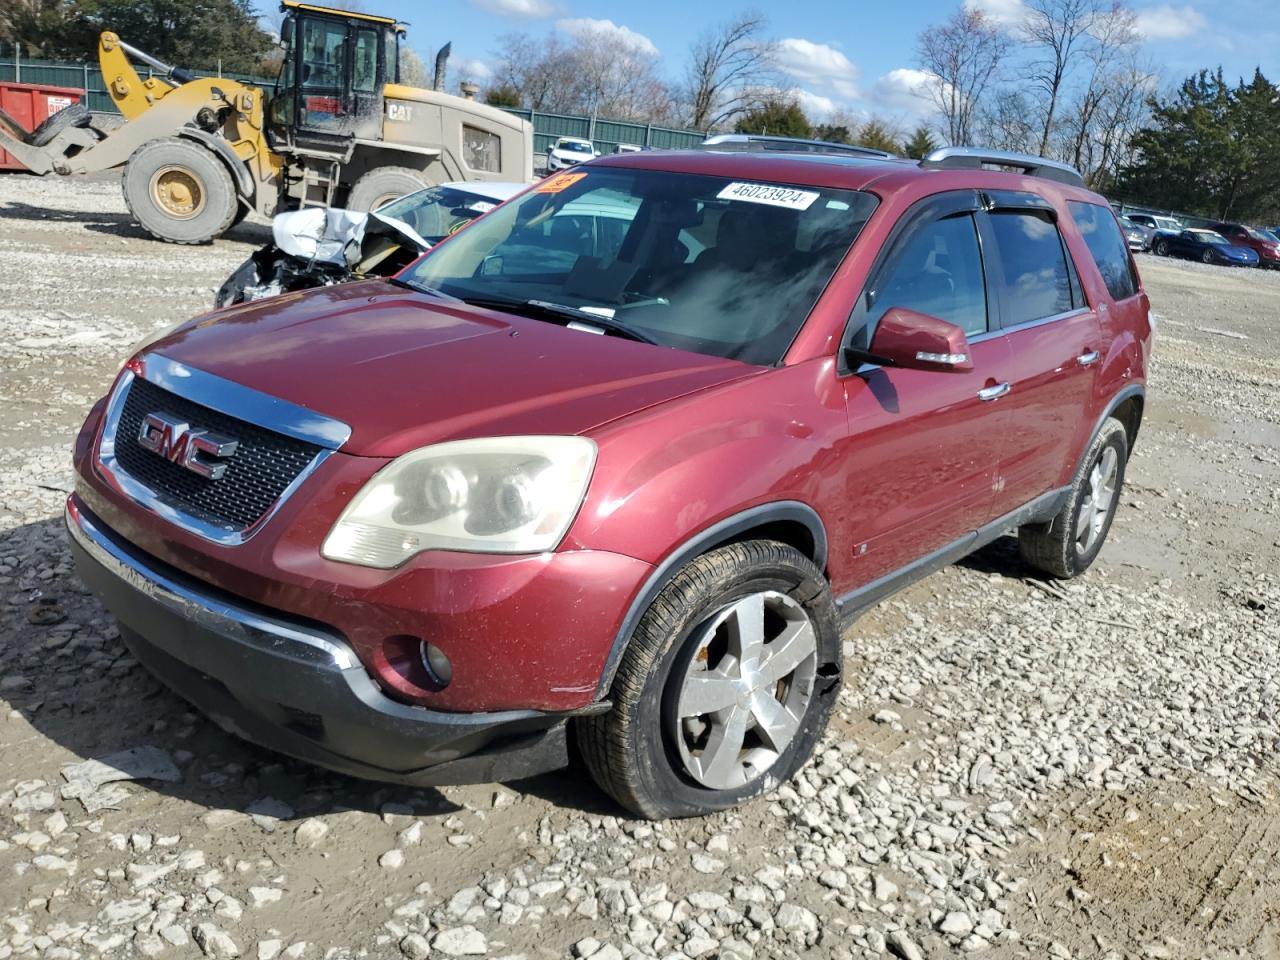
(317, 247)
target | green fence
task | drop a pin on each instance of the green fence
(606, 134)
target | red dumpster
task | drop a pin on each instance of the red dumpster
(30, 104)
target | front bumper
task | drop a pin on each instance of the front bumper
(295, 687)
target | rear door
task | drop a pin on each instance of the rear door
(1054, 341)
(923, 446)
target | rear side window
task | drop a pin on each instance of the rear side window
(1038, 282)
(1110, 252)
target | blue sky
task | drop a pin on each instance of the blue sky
(838, 54)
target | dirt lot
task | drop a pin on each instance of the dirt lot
(1016, 769)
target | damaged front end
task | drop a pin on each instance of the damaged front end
(320, 247)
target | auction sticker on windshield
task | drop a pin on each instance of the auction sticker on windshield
(770, 194)
(561, 181)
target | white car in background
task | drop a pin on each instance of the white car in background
(568, 152)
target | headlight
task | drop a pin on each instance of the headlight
(494, 495)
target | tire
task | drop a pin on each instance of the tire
(75, 115)
(1206, 257)
(379, 187)
(1065, 547)
(1161, 248)
(179, 191)
(653, 762)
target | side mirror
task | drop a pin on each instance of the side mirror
(917, 341)
(286, 32)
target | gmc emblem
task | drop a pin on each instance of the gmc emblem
(171, 438)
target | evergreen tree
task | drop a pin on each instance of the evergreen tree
(1211, 149)
(195, 34)
(877, 136)
(776, 117)
(920, 145)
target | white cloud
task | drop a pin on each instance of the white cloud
(815, 107)
(470, 68)
(904, 91)
(587, 27)
(1005, 13)
(1170, 23)
(823, 68)
(529, 9)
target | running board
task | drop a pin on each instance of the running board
(1040, 510)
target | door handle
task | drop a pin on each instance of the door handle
(1087, 358)
(992, 393)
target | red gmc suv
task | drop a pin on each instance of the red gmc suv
(610, 467)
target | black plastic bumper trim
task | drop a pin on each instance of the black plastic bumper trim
(295, 688)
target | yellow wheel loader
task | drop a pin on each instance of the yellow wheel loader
(200, 153)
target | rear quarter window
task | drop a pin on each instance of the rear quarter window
(1106, 244)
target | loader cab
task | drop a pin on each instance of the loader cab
(330, 88)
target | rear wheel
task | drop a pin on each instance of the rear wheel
(1161, 248)
(1207, 256)
(1069, 543)
(179, 191)
(379, 187)
(726, 686)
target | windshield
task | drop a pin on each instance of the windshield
(438, 212)
(574, 146)
(1208, 236)
(700, 263)
(1258, 235)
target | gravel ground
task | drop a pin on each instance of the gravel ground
(1017, 768)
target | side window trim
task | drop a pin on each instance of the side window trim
(921, 213)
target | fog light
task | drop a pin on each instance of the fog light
(410, 668)
(436, 664)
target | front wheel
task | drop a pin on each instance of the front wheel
(179, 191)
(726, 687)
(1066, 545)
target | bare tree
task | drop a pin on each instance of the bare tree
(1007, 122)
(1110, 51)
(540, 70)
(617, 76)
(1054, 30)
(964, 56)
(594, 70)
(728, 67)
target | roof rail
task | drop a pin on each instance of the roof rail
(975, 158)
(758, 142)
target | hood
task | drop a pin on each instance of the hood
(404, 370)
(335, 236)
(1241, 253)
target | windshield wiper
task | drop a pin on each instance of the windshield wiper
(562, 311)
(418, 288)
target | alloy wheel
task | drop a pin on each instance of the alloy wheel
(746, 689)
(1099, 500)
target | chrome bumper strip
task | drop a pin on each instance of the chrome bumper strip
(218, 615)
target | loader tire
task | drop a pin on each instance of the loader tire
(379, 187)
(179, 191)
(75, 115)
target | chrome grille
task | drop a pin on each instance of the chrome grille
(264, 465)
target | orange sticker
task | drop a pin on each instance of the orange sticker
(561, 181)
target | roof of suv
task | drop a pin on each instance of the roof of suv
(837, 171)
